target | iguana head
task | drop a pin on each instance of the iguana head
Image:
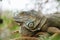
(28, 19)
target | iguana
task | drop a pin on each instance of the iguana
(32, 22)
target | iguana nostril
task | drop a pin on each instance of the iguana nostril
(1, 21)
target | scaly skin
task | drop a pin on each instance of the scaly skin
(32, 23)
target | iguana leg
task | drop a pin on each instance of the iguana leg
(53, 30)
(42, 33)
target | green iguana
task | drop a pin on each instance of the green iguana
(33, 22)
